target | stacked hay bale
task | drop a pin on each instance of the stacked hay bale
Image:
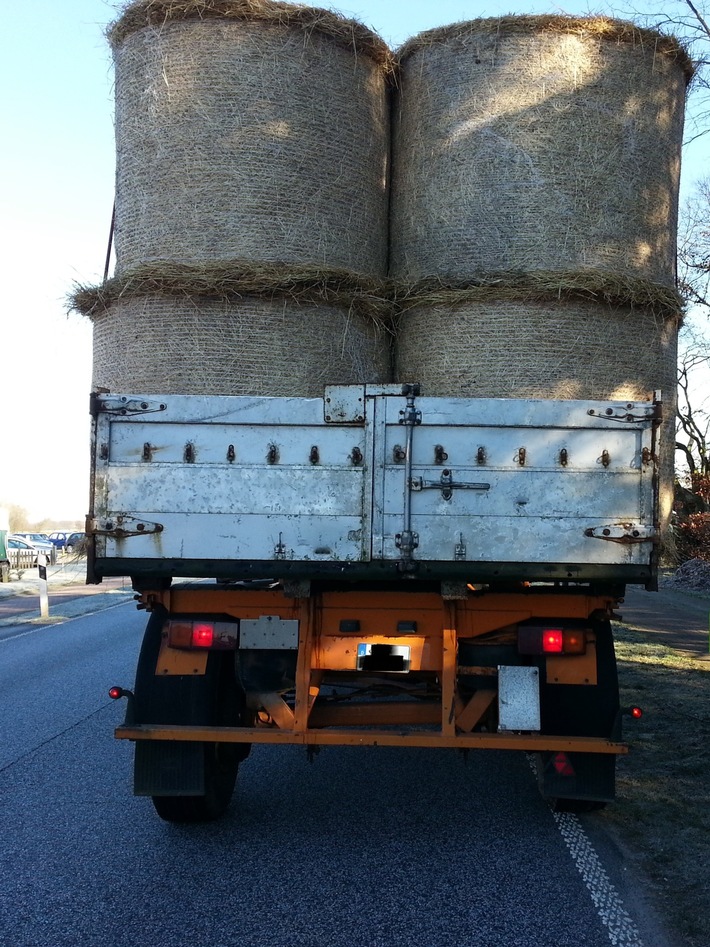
(199, 332)
(538, 143)
(535, 180)
(251, 201)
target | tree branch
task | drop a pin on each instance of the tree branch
(698, 16)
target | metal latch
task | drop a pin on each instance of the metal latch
(446, 484)
(407, 540)
(411, 415)
(626, 533)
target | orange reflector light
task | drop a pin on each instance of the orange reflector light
(574, 642)
(202, 635)
(179, 633)
(562, 765)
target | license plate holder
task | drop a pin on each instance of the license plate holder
(388, 658)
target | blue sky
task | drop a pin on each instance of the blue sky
(56, 195)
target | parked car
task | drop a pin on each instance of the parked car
(38, 540)
(74, 542)
(21, 552)
(59, 538)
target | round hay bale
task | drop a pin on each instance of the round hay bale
(478, 347)
(537, 143)
(246, 132)
(197, 345)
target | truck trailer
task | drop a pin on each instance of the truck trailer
(373, 568)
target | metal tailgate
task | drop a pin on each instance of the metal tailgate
(370, 483)
(510, 481)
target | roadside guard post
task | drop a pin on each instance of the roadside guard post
(43, 597)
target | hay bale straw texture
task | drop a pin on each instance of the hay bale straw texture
(540, 142)
(197, 345)
(233, 281)
(470, 345)
(249, 130)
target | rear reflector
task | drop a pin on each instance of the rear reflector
(550, 639)
(562, 765)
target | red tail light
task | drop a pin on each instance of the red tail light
(202, 635)
(551, 639)
(187, 634)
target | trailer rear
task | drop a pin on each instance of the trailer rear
(373, 568)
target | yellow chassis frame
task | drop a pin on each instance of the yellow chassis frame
(323, 648)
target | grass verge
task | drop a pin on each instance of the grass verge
(662, 812)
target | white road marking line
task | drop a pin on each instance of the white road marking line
(606, 899)
(622, 930)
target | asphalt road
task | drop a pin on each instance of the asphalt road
(670, 617)
(380, 847)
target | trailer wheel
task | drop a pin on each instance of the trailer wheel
(220, 774)
(577, 806)
(161, 770)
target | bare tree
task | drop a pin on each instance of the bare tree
(693, 419)
(694, 248)
(19, 518)
(689, 21)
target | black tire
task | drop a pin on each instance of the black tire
(221, 765)
(577, 806)
(214, 699)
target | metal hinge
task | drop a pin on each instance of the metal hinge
(124, 526)
(626, 533)
(124, 406)
(407, 542)
(624, 412)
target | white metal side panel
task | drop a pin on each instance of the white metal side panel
(521, 481)
(230, 479)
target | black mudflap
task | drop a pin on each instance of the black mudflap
(172, 768)
(163, 768)
(587, 776)
(583, 711)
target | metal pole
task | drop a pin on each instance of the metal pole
(110, 242)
